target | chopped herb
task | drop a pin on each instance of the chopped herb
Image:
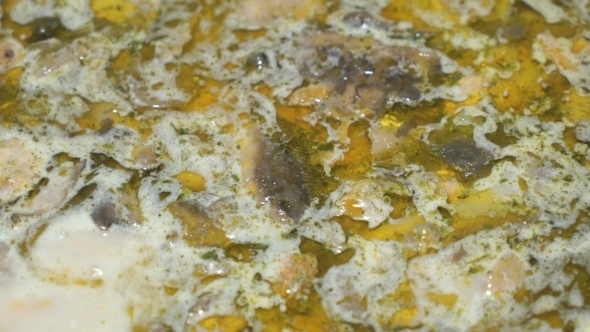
(210, 255)
(185, 193)
(455, 77)
(302, 305)
(326, 147)
(259, 246)
(291, 235)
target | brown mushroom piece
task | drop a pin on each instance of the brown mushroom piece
(514, 31)
(276, 177)
(146, 157)
(257, 61)
(105, 126)
(280, 181)
(465, 157)
(55, 193)
(44, 28)
(359, 74)
(104, 215)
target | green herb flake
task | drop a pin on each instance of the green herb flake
(326, 147)
(210, 255)
(259, 246)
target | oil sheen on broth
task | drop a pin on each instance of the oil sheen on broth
(320, 165)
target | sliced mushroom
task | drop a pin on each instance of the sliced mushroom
(276, 177)
(257, 61)
(44, 28)
(55, 193)
(360, 74)
(104, 215)
(465, 157)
